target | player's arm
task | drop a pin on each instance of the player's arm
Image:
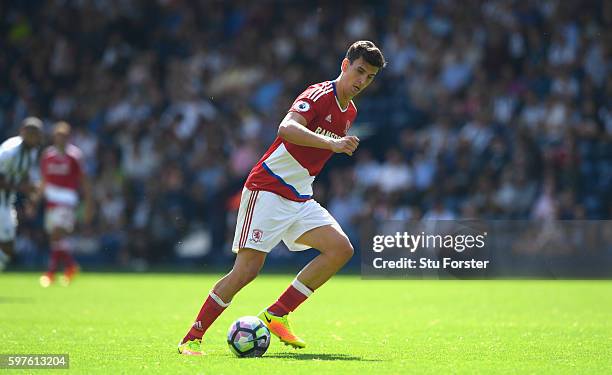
(39, 176)
(293, 129)
(32, 183)
(32, 188)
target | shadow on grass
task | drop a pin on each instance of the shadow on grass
(320, 357)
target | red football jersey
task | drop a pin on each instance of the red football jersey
(62, 173)
(288, 169)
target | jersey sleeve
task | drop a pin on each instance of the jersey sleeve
(306, 106)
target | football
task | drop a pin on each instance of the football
(248, 337)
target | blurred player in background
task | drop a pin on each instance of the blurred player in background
(62, 178)
(18, 173)
(277, 202)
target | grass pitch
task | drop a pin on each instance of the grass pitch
(112, 324)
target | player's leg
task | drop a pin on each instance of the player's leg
(59, 224)
(257, 232)
(56, 255)
(8, 229)
(247, 265)
(318, 230)
(60, 242)
(336, 250)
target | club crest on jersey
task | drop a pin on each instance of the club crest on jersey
(328, 118)
(257, 236)
(302, 106)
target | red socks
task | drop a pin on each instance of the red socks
(210, 311)
(295, 294)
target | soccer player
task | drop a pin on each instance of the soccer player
(62, 175)
(277, 202)
(18, 158)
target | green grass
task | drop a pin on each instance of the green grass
(129, 324)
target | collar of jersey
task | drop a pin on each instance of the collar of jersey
(336, 97)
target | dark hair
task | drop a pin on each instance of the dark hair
(368, 50)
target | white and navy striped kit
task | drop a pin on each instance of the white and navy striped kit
(17, 163)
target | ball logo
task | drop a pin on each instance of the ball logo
(257, 236)
(302, 106)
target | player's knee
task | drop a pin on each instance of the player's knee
(343, 249)
(251, 274)
(348, 251)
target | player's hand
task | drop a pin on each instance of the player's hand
(346, 145)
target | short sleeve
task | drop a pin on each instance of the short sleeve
(305, 106)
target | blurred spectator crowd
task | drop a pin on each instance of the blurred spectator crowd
(488, 109)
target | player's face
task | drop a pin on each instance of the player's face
(31, 136)
(358, 75)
